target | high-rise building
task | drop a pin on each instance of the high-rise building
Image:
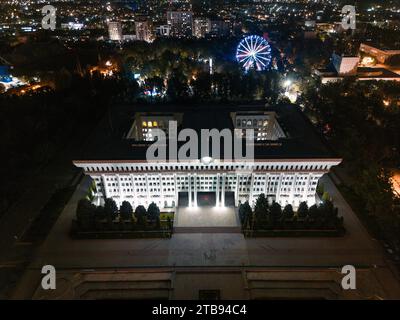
(144, 30)
(201, 27)
(181, 23)
(115, 31)
(220, 28)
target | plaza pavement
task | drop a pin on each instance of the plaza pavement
(211, 249)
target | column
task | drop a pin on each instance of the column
(195, 189)
(176, 190)
(190, 190)
(306, 187)
(293, 191)
(147, 189)
(119, 188)
(278, 191)
(223, 189)
(251, 190)
(133, 190)
(161, 191)
(217, 191)
(266, 184)
(237, 190)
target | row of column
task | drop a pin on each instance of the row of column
(220, 188)
(219, 194)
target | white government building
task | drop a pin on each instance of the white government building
(290, 158)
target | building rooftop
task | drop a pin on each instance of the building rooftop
(301, 141)
(375, 73)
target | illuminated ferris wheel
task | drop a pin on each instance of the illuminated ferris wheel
(254, 52)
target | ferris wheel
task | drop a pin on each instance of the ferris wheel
(254, 52)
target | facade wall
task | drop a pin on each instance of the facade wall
(286, 182)
(115, 31)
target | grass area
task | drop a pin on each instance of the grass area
(49, 214)
(166, 215)
(164, 218)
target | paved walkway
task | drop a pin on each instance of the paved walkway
(205, 217)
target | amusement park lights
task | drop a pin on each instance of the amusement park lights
(254, 52)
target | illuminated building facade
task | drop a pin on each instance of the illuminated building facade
(289, 160)
(115, 31)
(201, 27)
(181, 23)
(144, 30)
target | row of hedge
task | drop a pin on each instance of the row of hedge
(109, 222)
(270, 220)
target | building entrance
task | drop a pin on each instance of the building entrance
(206, 199)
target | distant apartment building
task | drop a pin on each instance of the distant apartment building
(220, 28)
(144, 30)
(201, 27)
(181, 23)
(115, 31)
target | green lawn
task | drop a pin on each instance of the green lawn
(164, 218)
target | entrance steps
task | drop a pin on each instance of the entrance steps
(207, 230)
(206, 220)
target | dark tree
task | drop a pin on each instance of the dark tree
(110, 209)
(153, 211)
(261, 204)
(99, 213)
(276, 212)
(245, 214)
(85, 213)
(288, 212)
(302, 211)
(126, 210)
(313, 212)
(140, 215)
(177, 87)
(202, 86)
